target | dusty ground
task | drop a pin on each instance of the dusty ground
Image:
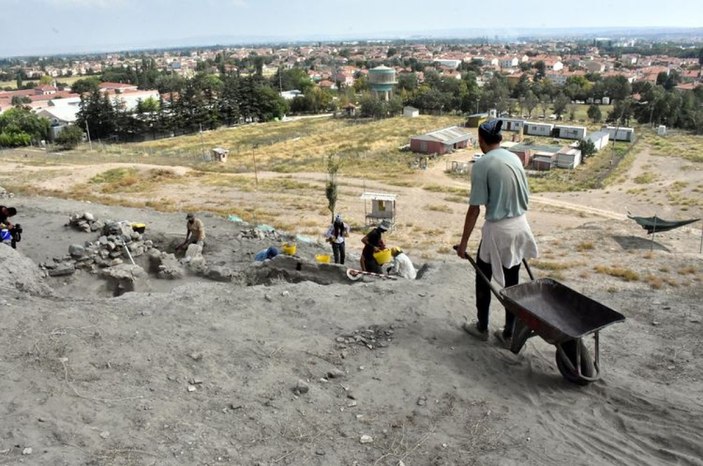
(89, 379)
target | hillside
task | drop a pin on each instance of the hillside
(291, 363)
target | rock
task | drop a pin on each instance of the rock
(655, 323)
(191, 388)
(301, 387)
(219, 274)
(165, 265)
(319, 452)
(194, 250)
(135, 245)
(351, 404)
(50, 264)
(88, 216)
(124, 277)
(366, 439)
(335, 374)
(695, 320)
(104, 434)
(124, 272)
(103, 240)
(76, 251)
(422, 401)
(27, 451)
(65, 268)
(197, 264)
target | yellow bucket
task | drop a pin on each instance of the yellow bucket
(383, 256)
(289, 249)
(323, 258)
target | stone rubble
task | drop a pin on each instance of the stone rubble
(108, 251)
(5, 194)
(118, 241)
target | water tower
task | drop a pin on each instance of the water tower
(382, 80)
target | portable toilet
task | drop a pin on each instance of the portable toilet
(661, 131)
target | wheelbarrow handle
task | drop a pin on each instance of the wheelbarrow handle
(494, 289)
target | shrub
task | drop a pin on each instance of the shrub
(69, 137)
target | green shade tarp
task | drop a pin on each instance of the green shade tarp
(655, 224)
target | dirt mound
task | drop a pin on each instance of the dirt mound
(20, 273)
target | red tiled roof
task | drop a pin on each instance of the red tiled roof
(109, 85)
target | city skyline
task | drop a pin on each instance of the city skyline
(83, 26)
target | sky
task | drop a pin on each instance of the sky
(37, 27)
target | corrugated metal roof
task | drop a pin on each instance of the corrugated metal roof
(450, 135)
(65, 113)
(378, 196)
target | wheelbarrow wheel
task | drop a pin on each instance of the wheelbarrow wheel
(587, 367)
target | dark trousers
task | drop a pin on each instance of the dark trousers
(483, 294)
(338, 251)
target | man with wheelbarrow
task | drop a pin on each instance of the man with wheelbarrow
(498, 182)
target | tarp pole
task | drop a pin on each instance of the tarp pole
(654, 232)
(700, 249)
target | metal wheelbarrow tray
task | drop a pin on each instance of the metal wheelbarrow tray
(562, 317)
(556, 312)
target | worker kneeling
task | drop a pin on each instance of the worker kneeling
(401, 265)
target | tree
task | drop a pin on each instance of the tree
(587, 148)
(531, 102)
(99, 113)
(18, 101)
(361, 84)
(495, 94)
(149, 105)
(594, 113)
(46, 80)
(85, 85)
(560, 104)
(541, 70)
(622, 111)
(20, 126)
(544, 103)
(69, 137)
(333, 164)
(407, 81)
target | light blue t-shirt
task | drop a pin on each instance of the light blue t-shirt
(498, 181)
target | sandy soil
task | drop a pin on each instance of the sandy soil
(197, 372)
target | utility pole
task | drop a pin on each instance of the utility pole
(202, 143)
(87, 132)
(256, 172)
(280, 80)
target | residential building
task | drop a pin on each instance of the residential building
(621, 134)
(441, 141)
(538, 129)
(568, 157)
(570, 132)
(599, 139)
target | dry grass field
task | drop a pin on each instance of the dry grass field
(287, 188)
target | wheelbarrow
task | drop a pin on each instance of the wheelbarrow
(561, 316)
